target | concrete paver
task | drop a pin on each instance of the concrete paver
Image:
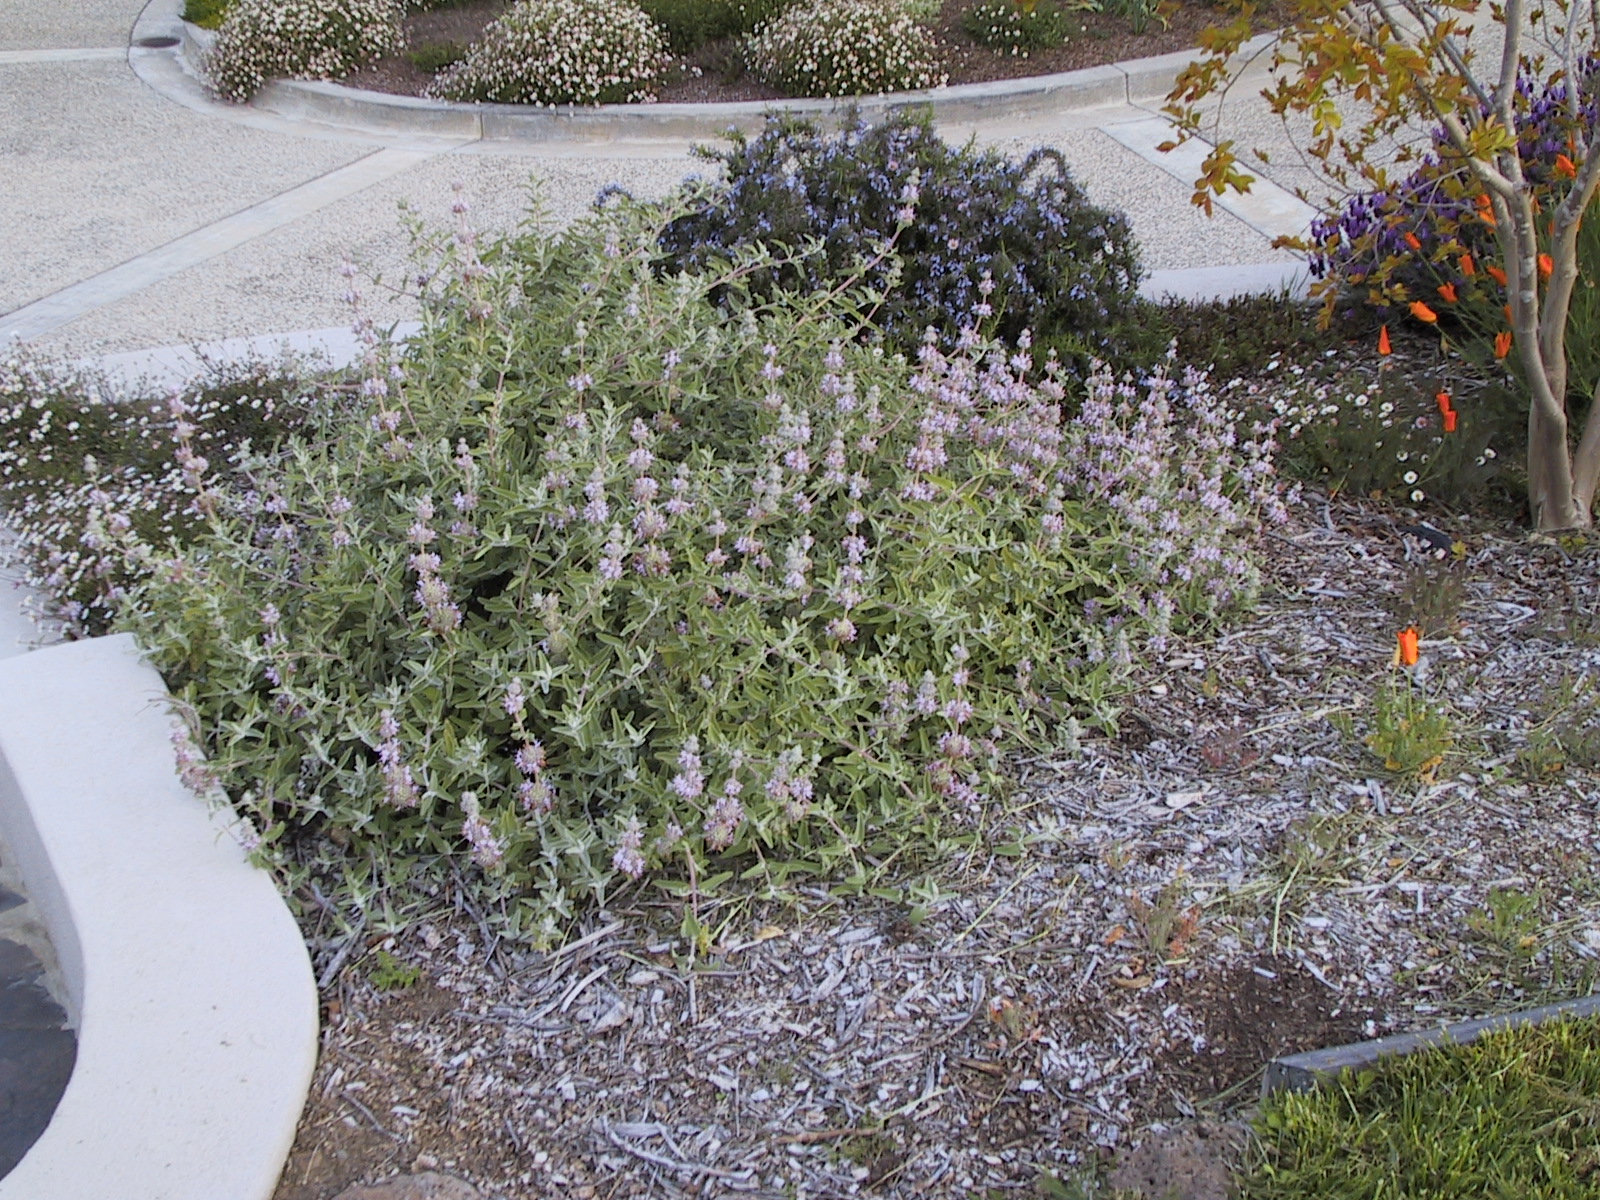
(35, 25)
(148, 214)
(95, 169)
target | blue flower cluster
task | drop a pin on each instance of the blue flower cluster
(978, 239)
(1437, 203)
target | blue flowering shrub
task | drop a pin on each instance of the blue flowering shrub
(1015, 243)
(618, 575)
(845, 48)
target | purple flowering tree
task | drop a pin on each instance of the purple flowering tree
(1509, 89)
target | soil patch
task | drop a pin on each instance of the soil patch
(714, 73)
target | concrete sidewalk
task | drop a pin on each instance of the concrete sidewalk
(141, 212)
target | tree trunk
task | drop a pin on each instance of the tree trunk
(1551, 495)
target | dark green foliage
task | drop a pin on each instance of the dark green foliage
(690, 24)
(977, 238)
(1240, 335)
(1007, 25)
(434, 57)
(208, 14)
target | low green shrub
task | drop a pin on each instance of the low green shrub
(690, 24)
(1008, 26)
(1370, 434)
(208, 14)
(84, 463)
(1512, 1114)
(560, 52)
(434, 57)
(298, 39)
(622, 574)
(845, 48)
(1002, 245)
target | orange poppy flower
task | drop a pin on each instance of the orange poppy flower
(1383, 341)
(1565, 167)
(1450, 421)
(1546, 266)
(1422, 312)
(1407, 639)
(1413, 241)
(1486, 210)
(1502, 343)
(1496, 274)
(1448, 292)
(1443, 401)
(1467, 268)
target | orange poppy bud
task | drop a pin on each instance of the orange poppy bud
(1467, 268)
(1565, 167)
(1486, 210)
(1443, 401)
(1407, 639)
(1496, 274)
(1413, 241)
(1422, 312)
(1450, 421)
(1502, 343)
(1448, 292)
(1546, 266)
(1383, 341)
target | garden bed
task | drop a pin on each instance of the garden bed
(1229, 879)
(714, 73)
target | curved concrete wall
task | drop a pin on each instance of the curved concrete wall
(187, 980)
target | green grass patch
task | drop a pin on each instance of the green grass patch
(1514, 1115)
(208, 14)
(434, 57)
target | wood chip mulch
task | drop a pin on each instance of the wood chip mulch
(1234, 876)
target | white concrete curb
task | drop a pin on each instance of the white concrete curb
(1141, 81)
(188, 983)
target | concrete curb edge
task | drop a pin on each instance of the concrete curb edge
(1137, 81)
(1298, 1072)
(187, 979)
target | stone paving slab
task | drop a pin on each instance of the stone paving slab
(289, 279)
(96, 169)
(43, 24)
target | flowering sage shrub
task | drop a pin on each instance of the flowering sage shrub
(560, 52)
(612, 578)
(845, 48)
(298, 39)
(1052, 262)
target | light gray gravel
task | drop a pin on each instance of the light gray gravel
(95, 169)
(289, 279)
(42, 24)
